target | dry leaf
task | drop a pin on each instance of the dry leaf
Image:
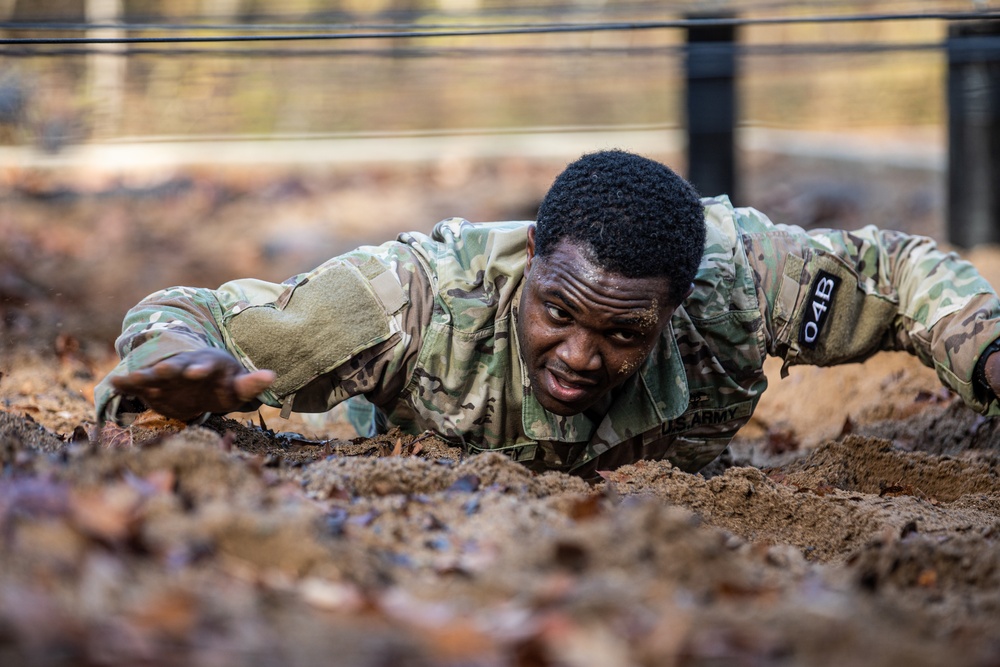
(108, 514)
(155, 421)
(114, 436)
(586, 508)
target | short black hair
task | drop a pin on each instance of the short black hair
(636, 217)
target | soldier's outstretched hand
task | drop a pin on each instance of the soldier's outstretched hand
(189, 384)
(992, 372)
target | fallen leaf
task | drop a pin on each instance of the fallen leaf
(155, 421)
(114, 436)
(780, 440)
(108, 514)
(587, 507)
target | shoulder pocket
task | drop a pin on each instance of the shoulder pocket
(320, 324)
(837, 318)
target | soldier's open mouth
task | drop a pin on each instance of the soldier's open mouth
(564, 390)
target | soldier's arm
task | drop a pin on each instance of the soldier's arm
(831, 296)
(348, 327)
(174, 355)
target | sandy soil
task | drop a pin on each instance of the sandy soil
(855, 521)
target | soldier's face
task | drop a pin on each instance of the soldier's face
(584, 330)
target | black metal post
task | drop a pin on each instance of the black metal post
(974, 133)
(711, 107)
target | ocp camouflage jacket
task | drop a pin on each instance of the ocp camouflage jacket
(424, 327)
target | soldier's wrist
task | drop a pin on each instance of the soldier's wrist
(980, 380)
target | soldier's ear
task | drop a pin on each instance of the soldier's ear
(529, 248)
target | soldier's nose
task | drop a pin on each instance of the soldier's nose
(579, 353)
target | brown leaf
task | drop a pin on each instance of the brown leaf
(586, 508)
(891, 490)
(114, 436)
(108, 514)
(155, 421)
(928, 578)
(397, 449)
(781, 439)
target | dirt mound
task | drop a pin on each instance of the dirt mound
(950, 428)
(877, 466)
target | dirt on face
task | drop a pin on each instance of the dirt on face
(856, 530)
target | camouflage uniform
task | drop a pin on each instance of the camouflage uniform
(424, 327)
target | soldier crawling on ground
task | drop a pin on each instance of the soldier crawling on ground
(630, 321)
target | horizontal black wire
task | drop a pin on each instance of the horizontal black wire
(452, 26)
(970, 48)
(525, 29)
(415, 52)
(485, 11)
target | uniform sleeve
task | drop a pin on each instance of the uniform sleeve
(348, 327)
(831, 296)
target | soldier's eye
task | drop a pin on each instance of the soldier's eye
(625, 336)
(556, 313)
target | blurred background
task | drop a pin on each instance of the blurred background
(146, 143)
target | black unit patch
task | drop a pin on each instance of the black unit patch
(818, 308)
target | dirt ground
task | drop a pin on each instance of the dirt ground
(855, 521)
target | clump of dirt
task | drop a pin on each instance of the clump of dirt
(833, 501)
(877, 466)
(952, 578)
(17, 432)
(943, 428)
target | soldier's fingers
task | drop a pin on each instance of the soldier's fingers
(134, 381)
(248, 385)
(123, 383)
(992, 371)
(200, 370)
(168, 368)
